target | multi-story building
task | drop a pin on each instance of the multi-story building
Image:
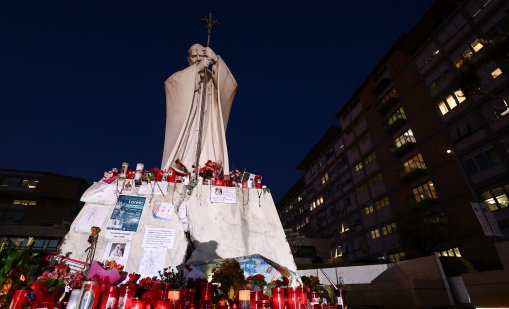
(414, 148)
(40, 205)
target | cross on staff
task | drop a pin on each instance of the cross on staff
(210, 22)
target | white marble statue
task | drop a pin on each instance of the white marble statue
(184, 93)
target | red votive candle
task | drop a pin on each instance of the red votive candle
(255, 298)
(294, 297)
(137, 304)
(19, 299)
(278, 298)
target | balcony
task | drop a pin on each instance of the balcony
(425, 198)
(382, 84)
(412, 171)
(396, 123)
(385, 104)
(403, 146)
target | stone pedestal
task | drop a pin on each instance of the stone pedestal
(218, 230)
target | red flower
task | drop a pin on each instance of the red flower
(260, 277)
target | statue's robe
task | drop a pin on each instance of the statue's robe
(184, 91)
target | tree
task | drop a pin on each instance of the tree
(423, 228)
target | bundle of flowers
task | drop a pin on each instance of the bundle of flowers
(256, 282)
(211, 170)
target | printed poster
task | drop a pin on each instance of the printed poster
(127, 213)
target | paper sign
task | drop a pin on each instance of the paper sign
(119, 235)
(162, 211)
(227, 195)
(93, 215)
(127, 213)
(157, 237)
(151, 262)
(154, 187)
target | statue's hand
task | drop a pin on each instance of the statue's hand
(210, 54)
(204, 63)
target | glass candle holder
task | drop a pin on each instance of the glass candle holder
(278, 298)
(244, 299)
(162, 304)
(206, 292)
(137, 304)
(19, 299)
(304, 296)
(294, 297)
(256, 296)
(174, 299)
(189, 297)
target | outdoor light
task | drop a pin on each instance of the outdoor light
(449, 151)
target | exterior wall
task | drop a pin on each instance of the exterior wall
(348, 211)
(40, 205)
(416, 283)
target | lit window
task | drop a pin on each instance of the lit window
(458, 94)
(325, 177)
(382, 203)
(369, 209)
(496, 73)
(16, 202)
(496, 198)
(424, 192)
(396, 256)
(476, 45)
(408, 136)
(467, 53)
(443, 108)
(358, 167)
(30, 183)
(416, 162)
(375, 233)
(388, 229)
(451, 102)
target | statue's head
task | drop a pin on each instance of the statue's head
(195, 53)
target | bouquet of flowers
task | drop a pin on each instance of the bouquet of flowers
(256, 282)
(236, 175)
(154, 174)
(311, 282)
(281, 283)
(171, 278)
(230, 276)
(149, 288)
(50, 285)
(211, 169)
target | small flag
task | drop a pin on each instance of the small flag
(248, 176)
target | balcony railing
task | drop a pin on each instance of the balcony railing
(384, 105)
(382, 84)
(391, 126)
(412, 171)
(424, 198)
(403, 145)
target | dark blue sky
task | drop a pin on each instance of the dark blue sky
(81, 82)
